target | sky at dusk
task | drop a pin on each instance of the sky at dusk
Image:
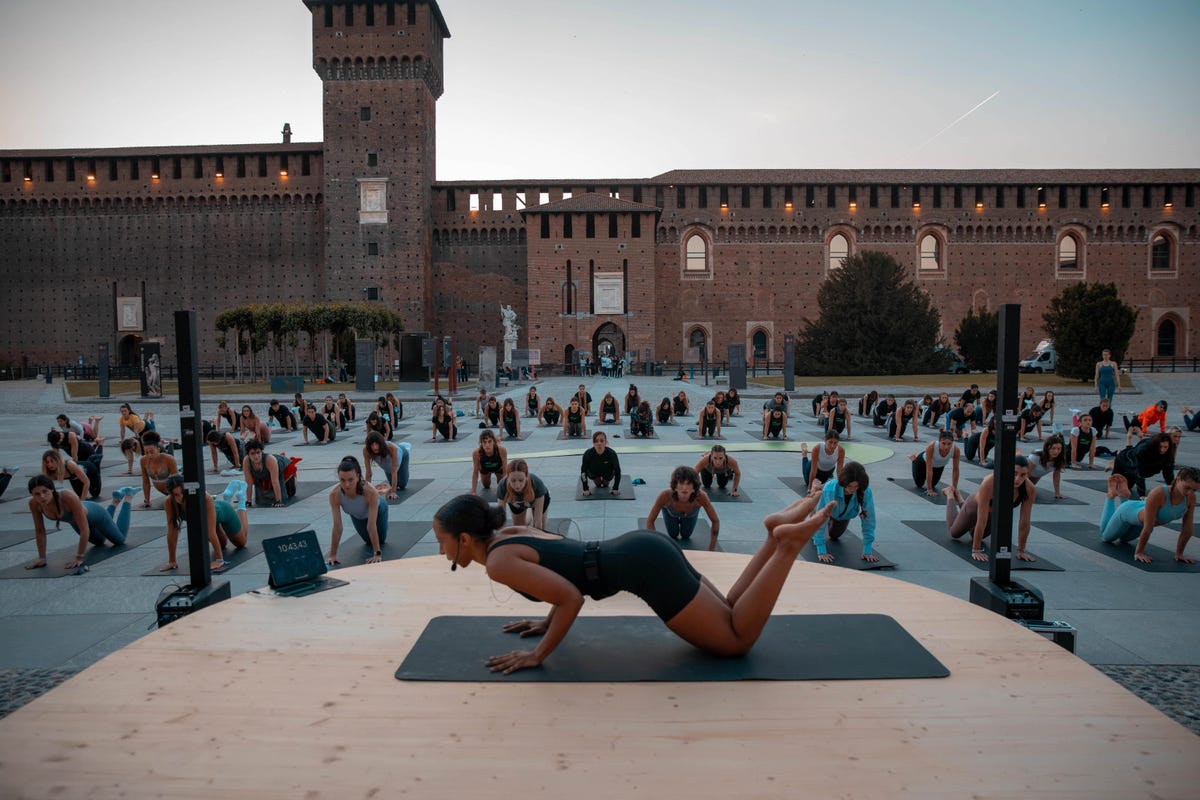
(633, 88)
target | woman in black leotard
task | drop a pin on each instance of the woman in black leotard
(510, 420)
(489, 459)
(561, 572)
(574, 425)
(443, 423)
(709, 421)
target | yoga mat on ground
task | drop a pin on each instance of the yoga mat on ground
(1045, 497)
(1087, 535)
(604, 494)
(439, 440)
(719, 495)
(233, 557)
(938, 500)
(414, 485)
(304, 491)
(55, 559)
(353, 551)
(488, 493)
(607, 649)
(796, 483)
(847, 552)
(10, 538)
(697, 541)
(1096, 485)
(525, 432)
(560, 525)
(695, 434)
(563, 437)
(935, 531)
(756, 433)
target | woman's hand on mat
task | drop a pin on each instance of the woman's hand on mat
(1142, 557)
(1023, 556)
(374, 559)
(526, 627)
(74, 563)
(332, 560)
(511, 662)
(870, 557)
(1178, 557)
(41, 562)
(931, 493)
(825, 558)
(979, 555)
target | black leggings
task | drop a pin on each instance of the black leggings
(652, 567)
(920, 467)
(709, 427)
(706, 477)
(897, 431)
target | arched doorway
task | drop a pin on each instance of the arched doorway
(608, 340)
(1166, 338)
(129, 351)
(699, 340)
(569, 359)
(759, 342)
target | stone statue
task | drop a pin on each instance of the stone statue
(509, 318)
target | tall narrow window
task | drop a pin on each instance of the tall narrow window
(937, 196)
(391, 13)
(545, 226)
(568, 226)
(680, 197)
(198, 167)
(999, 197)
(1068, 253)
(412, 13)
(636, 221)
(133, 169)
(958, 196)
(543, 198)
(349, 14)
(697, 254)
(451, 202)
(329, 16)
(589, 224)
(839, 251)
(591, 286)
(1020, 197)
(745, 197)
(931, 253)
(637, 194)
(724, 197)
(262, 166)
(759, 344)
(520, 200)
(895, 197)
(112, 169)
(703, 202)
(474, 204)
(612, 226)
(766, 197)
(1083, 197)
(1124, 197)
(1160, 252)
(177, 168)
(1166, 338)
(568, 287)
(1145, 197)
(370, 14)
(810, 197)
(241, 163)
(874, 199)
(831, 197)
(497, 201)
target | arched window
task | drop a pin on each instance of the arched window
(759, 341)
(699, 340)
(839, 251)
(696, 254)
(1160, 252)
(1166, 338)
(1068, 253)
(931, 253)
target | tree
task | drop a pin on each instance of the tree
(1084, 319)
(976, 339)
(874, 321)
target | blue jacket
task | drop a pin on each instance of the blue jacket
(847, 509)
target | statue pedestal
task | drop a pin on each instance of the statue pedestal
(510, 344)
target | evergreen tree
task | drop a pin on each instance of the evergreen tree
(976, 339)
(1084, 319)
(873, 321)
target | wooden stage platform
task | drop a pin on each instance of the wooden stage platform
(265, 697)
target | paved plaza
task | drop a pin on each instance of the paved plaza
(1137, 626)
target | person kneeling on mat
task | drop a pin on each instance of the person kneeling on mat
(226, 518)
(317, 424)
(716, 463)
(392, 460)
(270, 475)
(95, 523)
(601, 465)
(967, 516)
(850, 496)
(680, 506)
(524, 492)
(1125, 520)
(828, 457)
(560, 571)
(927, 467)
(367, 511)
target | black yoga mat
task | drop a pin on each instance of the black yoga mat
(1090, 483)
(792, 647)
(396, 437)
(756, 433)
(233, 557)
(1087, 535)
(847, 552)
(10, 538)
(938, 500)
(718, 495)
(698, 540)
(695, 434)
(626, 492)
(414, 485)
(562, 437)
(525, 433)
(561, 525)
(55, 559)
(353, 552)
(796, 483)
(304, 491)
(935, 531)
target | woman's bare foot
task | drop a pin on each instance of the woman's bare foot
(170, 565)
(953, 494)
(797, 534)
(1118, 486)
(803, 450)
(795, 512)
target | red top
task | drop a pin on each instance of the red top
(1152, 415)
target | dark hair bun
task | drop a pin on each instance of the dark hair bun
(496, 517)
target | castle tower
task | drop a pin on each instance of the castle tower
(381, 68)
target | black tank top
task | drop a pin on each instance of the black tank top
(575, 417)
(563, 557)
(489, 463)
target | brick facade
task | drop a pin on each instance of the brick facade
(212, 227)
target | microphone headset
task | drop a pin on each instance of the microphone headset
(454, 564)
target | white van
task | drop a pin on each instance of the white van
(1042, 359)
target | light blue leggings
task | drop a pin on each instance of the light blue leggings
(103, 525)
(1119, 520)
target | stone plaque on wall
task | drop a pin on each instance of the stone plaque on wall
(372, 197)
(609, 291)
(487, 366)
(129, 314)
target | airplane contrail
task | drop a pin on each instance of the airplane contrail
(952, 124)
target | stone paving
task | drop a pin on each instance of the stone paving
(1139, 627)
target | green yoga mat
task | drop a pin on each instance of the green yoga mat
(792, 647)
